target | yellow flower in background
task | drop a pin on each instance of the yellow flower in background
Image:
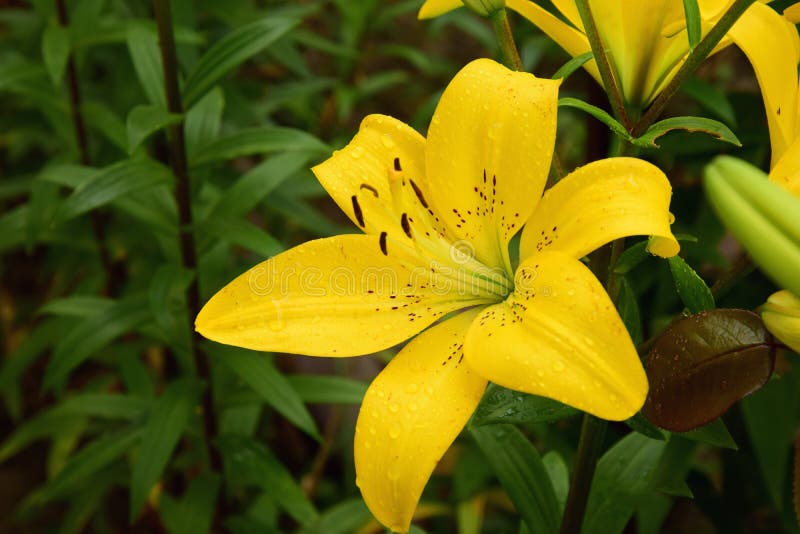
(781, 314)
(438, 215)
(646, 41)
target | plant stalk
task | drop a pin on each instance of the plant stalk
(610, 82)
(82, 142)
(593, 431)
(508, 49)
(693, 60)
(177, 150)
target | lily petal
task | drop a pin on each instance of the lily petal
(786, 171)
(598, 203)
(433, 8)
(488, 153)
(410, 415)
(772, 45)
(558, 335)
(781, 314)
(358, 176)
(339, 296)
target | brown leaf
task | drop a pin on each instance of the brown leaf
(702, 364)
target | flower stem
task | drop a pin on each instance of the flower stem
(505, 39)
(610, 82)
(83, 151)
(177, 147)
(693, 60)
(593, 431)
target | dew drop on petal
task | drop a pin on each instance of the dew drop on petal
(394, 432)
(412, 388)
(394, 407)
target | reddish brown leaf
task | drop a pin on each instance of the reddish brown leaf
(702, 364)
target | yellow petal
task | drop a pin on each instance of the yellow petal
(358, 176)
(410, 415)
(598, 203)
(786, 171)
(559, 336)
(488, 154)
(772, 45)
(339, 296)
(572, 40)
(433, 8)
(781, 315)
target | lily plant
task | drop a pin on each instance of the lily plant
(434, 264)
(645, 45)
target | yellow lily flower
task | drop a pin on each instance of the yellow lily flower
(438, 214)
(646, 44)
(781, 315)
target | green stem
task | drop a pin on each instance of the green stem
(610, 82)
(593, 431)
(81, 139)
(177, 158)
(505, 39)
(693, 60)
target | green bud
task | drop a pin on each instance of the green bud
(485, 8)
(781, 314)
(763, 216)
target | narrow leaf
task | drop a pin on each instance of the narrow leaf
(714, 433)
(243, 233)
(146, 58)
(702, 364)
(572, 65)
(693, 28)
(193, 512)
(162, 431)
(143, 121)
(559, 476)
(628, 307)
(258, 372)
(598, 114)
(55, 51)
(694, 292)
(324, 389)
(258, 141)
(229, 52)
(644, 427)
(204, 120)
(501, 405)
(348, 516)
(711, 98)
(521, 472)
(690, 124)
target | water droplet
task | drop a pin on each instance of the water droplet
(388, 326)
(357, 152)
(394, 473)
(633, 184)
(394, 407)
(671, 218)
(394, 432)
(570, 292)
(387, 141)
(277, 325)
(558, 366)
(412, 388)
(413, 407)
(539, 373)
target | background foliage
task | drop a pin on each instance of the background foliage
(108, 421)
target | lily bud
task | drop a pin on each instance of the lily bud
(764, 217)
(485, 8)
(781, 315)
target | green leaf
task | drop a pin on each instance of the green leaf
(106, 122)
(258, 141)
(693, 23)
(598, 114)
(163, 429)
(229, 52)
(55, 51)
(348, 516)
(113, 182)
(203, 121)
(258, 182)
(714, 433)
(88, 461)
(192, 513)
(694, 292)
(76, 306)
(624, 474)
(254, 464)
(699, 366)
(521, 472)
(770, 418)
(243, 233)
(711, 98)
(166, 296)
(559, 477)
(572, 65)
(44, 425)
(146, 56)
(145, 120)
(257, 371)
(628, 307)
(325, 389)
(640, 424)
(631, 258)
(92, 334)
(690, 124)
(501, 405)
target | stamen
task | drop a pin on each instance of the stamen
(405, 225)
(418, 192)
(370, 189)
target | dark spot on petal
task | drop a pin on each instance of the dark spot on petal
(418, 192)
(382, 242)
(357, 211)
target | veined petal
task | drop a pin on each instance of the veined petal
(410, 415)
(786, 171)
(572, 40)
(559, 336)
(772, 45)
(781, 314)
(488, 153)
(339, 296)
(433, 8)
(600, 202)
(358, 176)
